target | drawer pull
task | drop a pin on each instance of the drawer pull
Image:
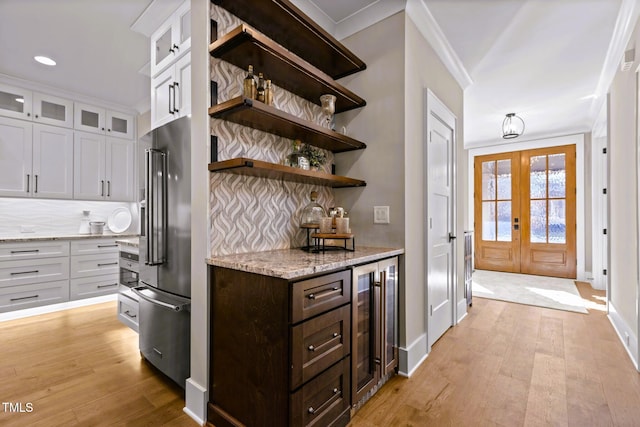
(108, 246)
(107, 286)
(107, 263)
(313, 411)
(16, 273)
(133, 316)
(30, 251)
(21, 298)
(314, 348)
(324, 294)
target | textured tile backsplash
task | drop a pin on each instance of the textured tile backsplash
(55, 217)
(250, 214)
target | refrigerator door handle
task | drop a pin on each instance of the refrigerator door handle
(156, 209)
(172, 307)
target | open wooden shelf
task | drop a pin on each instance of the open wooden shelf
(254, 114)
(287, 25)
(245, 46)
(250, 167)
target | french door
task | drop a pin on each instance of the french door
(525, 211)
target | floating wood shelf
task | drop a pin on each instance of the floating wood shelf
(281, 21)
(254, 114)
(245, 46)
(250, 167)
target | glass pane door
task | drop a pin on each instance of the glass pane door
(496, 200)
(548, 193)
(365, 332)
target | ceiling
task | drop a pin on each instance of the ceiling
(541, 59)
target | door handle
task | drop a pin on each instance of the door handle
(35, 190)
(175, 86)
(451, 236)
(28, 176)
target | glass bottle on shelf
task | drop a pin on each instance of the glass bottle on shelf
(268, 93)
(249, 86)
(260, 92)
(312, 213)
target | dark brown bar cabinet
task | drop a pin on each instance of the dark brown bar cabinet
(280, 349)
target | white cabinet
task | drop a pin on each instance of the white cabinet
(16, 148)
(15, 102)
(51, 110)
(52, 162)
(24, 104)
(94, 268)
(103, 168)
(90, 118)
(171, 93)
(33, 274)
(171, 40)
(35, 160)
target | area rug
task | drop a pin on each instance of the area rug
(549, 292)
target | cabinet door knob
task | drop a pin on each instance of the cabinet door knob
(176, 47)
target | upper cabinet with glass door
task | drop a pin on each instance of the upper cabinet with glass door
(24, 104)
(90, 118)
(172, 40)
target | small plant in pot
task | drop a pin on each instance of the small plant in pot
(316, 156)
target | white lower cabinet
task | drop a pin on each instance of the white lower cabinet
(128, 311)
(48, 272)
(88, 287)
(23, 272)
(94, 265)
(33, 295)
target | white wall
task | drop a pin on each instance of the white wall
(401, 65)
(623, 204)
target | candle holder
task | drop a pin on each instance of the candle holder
(328, 103)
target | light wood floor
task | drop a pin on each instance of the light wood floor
(516, 365)
(504, 365)
(81, 367)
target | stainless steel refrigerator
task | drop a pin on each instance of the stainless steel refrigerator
(165, 251)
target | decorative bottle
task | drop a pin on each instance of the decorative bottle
(249, 87)
(312, 213)
(268, 93)
(260, 93)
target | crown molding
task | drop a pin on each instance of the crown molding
(367, 16)
(625, 24)
(420, 14)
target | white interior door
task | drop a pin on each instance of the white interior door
(441, 218)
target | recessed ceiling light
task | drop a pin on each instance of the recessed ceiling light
(45, 60)
(20, 100)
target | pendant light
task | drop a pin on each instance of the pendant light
(512, 126)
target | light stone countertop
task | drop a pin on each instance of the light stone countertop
(295, 263)
(35, 237)
(133, 242)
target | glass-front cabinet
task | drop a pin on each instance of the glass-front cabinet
(172, 39)
(374, 325)
(25, 104)
(15, 102)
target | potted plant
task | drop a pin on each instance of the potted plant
(316, 156)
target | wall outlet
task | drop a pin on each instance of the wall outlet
(381, 214)
(27, 229)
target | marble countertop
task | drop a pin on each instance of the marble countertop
(34, 237)
(295, 263)
(133, 242)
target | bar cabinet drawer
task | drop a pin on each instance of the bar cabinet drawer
(325, 400)
(319, 294)
(319, 343)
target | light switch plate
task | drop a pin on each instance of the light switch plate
(381, 214)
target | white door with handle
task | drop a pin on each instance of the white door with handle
(440, 222)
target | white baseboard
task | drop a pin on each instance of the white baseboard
(412, 356)
(461, 310)
(196, 398)
(27, 312)
(623, 330)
